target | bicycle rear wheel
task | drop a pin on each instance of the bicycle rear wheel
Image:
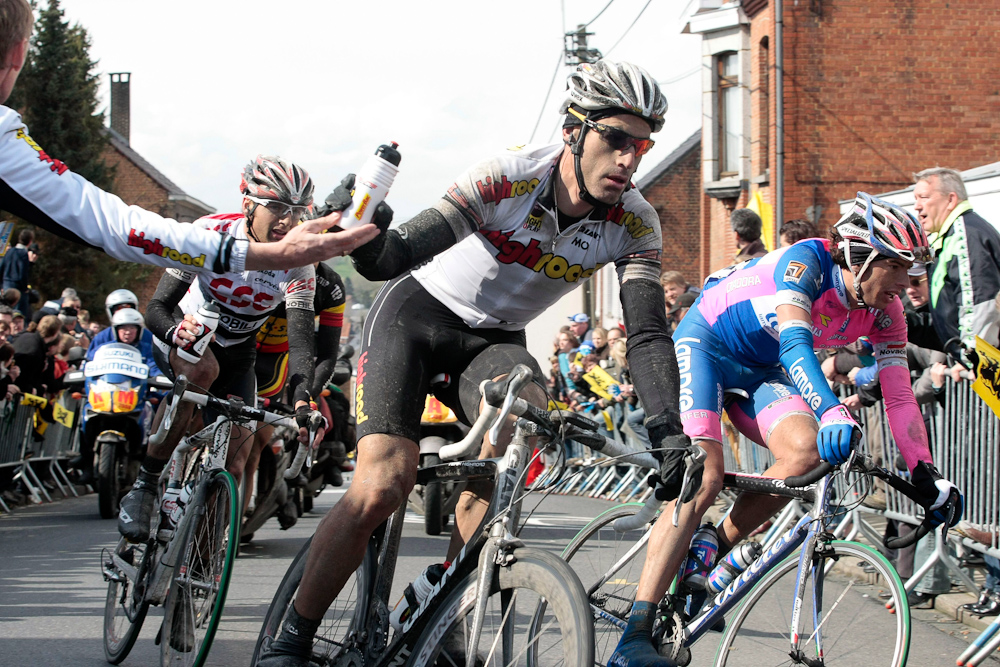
(201, 577)
(598, 556)
(842, 602)
(342, 620)
(126, 605)
(563, 637)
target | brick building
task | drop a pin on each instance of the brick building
(137, 181)
(673, 187)
(871, 93)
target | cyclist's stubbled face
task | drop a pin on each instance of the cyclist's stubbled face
(268, 227)
(884, 281)
(606, 171)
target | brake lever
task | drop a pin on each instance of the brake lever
(517, 383)
(693, 460)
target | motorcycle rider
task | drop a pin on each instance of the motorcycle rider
(116, 301)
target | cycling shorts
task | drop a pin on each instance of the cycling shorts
(272, 373)
(409, 338)
(236, 372)
(706, 371)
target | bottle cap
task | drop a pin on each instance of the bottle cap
(389, 153)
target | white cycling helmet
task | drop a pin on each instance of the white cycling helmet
(127, 317)
(270, 177)
(118, 298)
(617, 87)
(875, 228)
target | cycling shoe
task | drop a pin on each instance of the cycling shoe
(636, 646)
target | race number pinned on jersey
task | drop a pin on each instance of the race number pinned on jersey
(987, 383)
(794, 272)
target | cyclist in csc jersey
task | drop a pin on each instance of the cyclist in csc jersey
(510, 237)
(275, 195)
(273, 353)
(43, 191)
(754, 328)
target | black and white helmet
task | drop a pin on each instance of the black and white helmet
(128, 317)
(607, 85)
(119, 298)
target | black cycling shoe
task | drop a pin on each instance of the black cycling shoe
(136, 510)
(293, 645)
(635, 649)
(274, 659)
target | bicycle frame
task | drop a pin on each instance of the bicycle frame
(489, 548)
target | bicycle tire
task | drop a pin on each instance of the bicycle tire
(433, 496)
(119, 639)
(107, 479)
(590, 554)
(200, 582)
(858, 637)
(534, 574)
(333, 626)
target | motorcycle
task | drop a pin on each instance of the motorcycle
(438, 427)
(116, 418)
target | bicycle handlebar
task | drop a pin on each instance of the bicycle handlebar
(302, 453)
(811, 477)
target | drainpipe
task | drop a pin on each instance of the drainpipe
(779, 124)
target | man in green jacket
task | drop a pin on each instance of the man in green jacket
(966, 274)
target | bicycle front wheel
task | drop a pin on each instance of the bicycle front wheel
(201, 577)
(563, 637)
(608, 563)
(845, 621)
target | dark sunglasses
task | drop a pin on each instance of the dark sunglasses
(915, 282)
(616, 138)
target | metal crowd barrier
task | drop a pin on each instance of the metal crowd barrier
(19, 450)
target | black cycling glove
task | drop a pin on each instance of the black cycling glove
(671, 478)
(942, 499)
(302, 415)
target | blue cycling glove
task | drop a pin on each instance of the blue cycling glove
(838, 435)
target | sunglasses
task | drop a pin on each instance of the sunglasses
(616, 138)
(279, 209)
(915, 282)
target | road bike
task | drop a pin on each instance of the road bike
(808, 599)
(479, 612)
(187, 563)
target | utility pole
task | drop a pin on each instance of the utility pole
(576, 49)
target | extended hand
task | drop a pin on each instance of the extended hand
(307, 244)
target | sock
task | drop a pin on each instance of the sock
(296, 636)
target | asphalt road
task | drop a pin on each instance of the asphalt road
(52, 594)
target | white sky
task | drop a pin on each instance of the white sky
(323, 83)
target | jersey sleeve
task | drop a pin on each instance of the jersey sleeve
(470, 203)
(798, 276)
(45, 192)
(300, 288)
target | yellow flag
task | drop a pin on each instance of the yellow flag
(987, 383)
(600, 382)
(62, 415)
(766, 213)
(34, 401)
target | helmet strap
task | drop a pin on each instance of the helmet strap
(576, 147)
(858, 275)
(250, 232)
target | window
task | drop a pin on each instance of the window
(728, 106)
(764, 105)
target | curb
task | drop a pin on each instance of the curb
(949, 605)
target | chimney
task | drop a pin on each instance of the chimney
(120, 104)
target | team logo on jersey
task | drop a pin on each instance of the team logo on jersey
(883, 322)
(55, 165)
(742, 281)
(495, 192)
(534, 221)
(794, 272)
(530, 256)
(139, 240)
(359, 392)
(825, 319)
(809, 393)
(630, 221)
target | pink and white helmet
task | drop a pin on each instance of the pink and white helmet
(270, 177)
(885, 229)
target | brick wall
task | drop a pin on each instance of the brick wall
(873, 92)
(676, 196)
(134, 186)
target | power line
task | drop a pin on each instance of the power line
(629, 28)
(547, 94)
(667, 82)
(587, 24)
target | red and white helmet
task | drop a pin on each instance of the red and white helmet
(883, 230)
(270, 177)
(610, 85)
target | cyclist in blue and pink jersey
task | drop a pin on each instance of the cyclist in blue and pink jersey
(753, 329)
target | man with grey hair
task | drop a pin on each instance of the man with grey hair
(966, 274)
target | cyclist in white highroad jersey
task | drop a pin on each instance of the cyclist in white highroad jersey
(275, 195)
(45, 192)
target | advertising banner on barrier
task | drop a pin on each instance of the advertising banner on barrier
(987, 383)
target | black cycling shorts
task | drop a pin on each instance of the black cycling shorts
(409, 338)
(236, 370)
(272, 373)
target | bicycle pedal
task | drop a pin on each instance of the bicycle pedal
(164, 535)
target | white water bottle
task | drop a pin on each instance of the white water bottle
(168, 504)
(183, 498)
(208, 319)
(371, 185)
(730, 567)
